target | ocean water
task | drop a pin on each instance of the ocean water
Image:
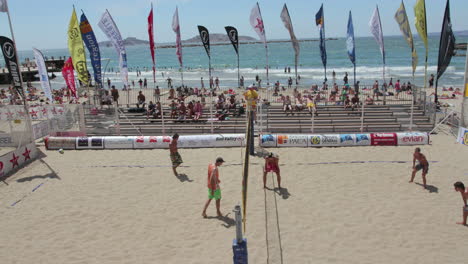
(281, 55)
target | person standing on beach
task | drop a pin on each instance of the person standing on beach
(176, 159)
(251, 96)
(145, 83)
(431, 81)
(108, 83)
(422, 164)
(460, 187)
(271, 165)
(202, 83)
(214, 191)
(141, 83)
(115, 94)
(217, 83)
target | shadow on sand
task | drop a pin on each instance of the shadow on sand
(227, 221)
(183, 177)
(430, 188)
(283, 192)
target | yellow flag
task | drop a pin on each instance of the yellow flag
(402, 20)
(76, 48)
(420, 20)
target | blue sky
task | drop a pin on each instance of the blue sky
(43, 24)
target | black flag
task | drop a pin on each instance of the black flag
(447, 43)
(9, 52)
(233, 37)
(205, 38)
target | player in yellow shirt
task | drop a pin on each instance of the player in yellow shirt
(251, 96)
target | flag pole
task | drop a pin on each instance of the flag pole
(464, 115)
(238, 70)
(26, 108)
(182, 74)
(267, 66)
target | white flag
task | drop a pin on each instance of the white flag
(3, 6)
(43, 76)
(176, 29)
(288, 24)
(376, 30)
(257, 23)
(109, 28)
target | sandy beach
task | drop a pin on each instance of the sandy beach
(126, 207)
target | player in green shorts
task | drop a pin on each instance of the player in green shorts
(214, 191)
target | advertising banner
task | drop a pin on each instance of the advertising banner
(462, 136)
(17, 158)
(118, 142)
(363, 140)
(151, 142)
(412, 138)
(330, 140)
(383, 139)
(212, 141)
(347, 140)
(89, 143)
(267, 140)
(55, 143)
(292, 140)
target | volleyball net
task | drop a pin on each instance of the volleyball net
(249, 150)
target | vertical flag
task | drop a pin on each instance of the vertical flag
(256, 21)
(421, 26)
(43, 76)
(9, 53)
(109, 28)
(205, 39)
(446, 46)
(3, 6)
(69, 76)
(76, 48)
(93, 47)
(350, 45)
(176, 29)
(151, 40)
(402, 20)
(234, 38)
(320, 22)
(288, 24)
(376, 30)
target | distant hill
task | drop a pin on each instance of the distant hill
(130, 41)
(463, 33)
(214, 38)
(218, 38)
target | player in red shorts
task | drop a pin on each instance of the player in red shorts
(271, 165)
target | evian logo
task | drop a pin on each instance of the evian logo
(8, 50)
(413, 139)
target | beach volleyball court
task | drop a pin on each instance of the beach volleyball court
(343, 205)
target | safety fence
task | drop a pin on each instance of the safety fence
(130, 97)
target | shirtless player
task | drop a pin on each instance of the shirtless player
(176, 159)
(422, 164)
(460, 187)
